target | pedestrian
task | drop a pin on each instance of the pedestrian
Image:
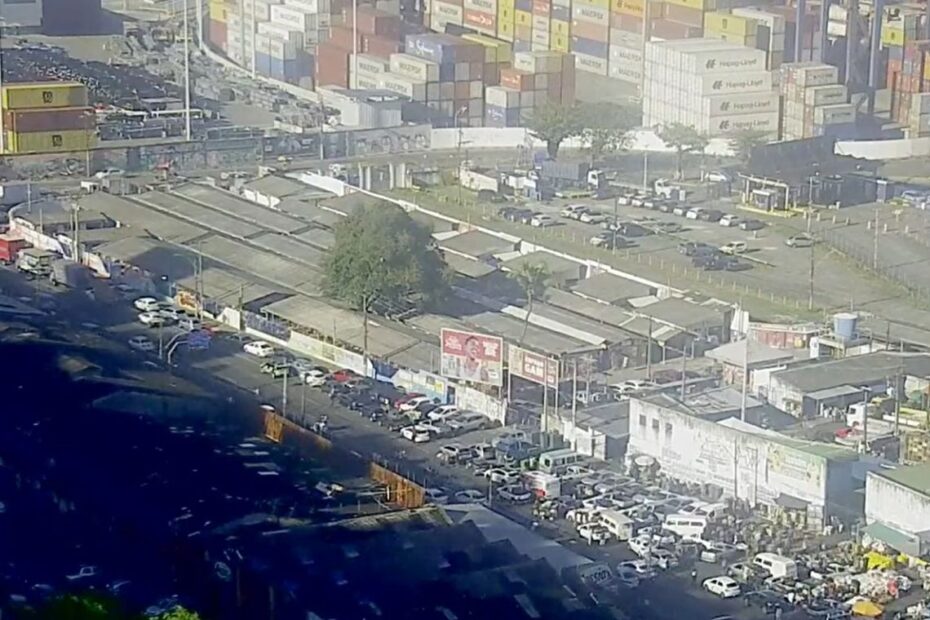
(778, 613)
(693, 575)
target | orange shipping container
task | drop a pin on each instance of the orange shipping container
(480, 21)
(587, 30)
(541, 7)
(516, 79)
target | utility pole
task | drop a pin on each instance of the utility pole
(742, 407)
(875, 242)
(649, 351)
(187, 74)
(284, 378)
(810, 292)
(684, 370)
(200, 283)
(575, 404)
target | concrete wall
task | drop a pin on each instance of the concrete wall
(895, 505)
(745, 465)
(22, 13)
(885, 149)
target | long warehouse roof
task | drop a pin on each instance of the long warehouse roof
(128, 213)
(197, 214)
(230, 204)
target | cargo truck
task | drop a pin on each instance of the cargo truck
(10, 246)
(67, 273)
(34, 262)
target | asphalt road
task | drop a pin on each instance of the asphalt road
(239, 377)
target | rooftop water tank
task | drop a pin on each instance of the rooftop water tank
(845, 325)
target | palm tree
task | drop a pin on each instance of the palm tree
(533, 278)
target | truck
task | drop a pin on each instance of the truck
(34, 262)
(67, 273)
(10, 246)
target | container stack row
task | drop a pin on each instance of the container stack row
(715, 86)
(750, 27)
(535, 79)
(908, 105)
(47, 117)
(815, 104)
(379, 35)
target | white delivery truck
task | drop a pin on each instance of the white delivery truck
(545, 486)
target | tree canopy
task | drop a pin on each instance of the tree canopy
(684, 139)
(554, 123)
(744, 140)
(533, 278)
(382, 255)
(607, 127)
(96, 607)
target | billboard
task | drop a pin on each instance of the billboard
(468, 356)
(533, 366)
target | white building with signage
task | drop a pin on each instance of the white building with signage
(897, 508)
(746, 462)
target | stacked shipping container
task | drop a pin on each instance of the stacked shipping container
(47, 117)
(755, 28)
(908, 105)
(535, 78)
(378, 36)
(814, 103)
(714, 86)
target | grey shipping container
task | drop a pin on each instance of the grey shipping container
(565, 170)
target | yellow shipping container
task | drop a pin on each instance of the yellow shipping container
(559, 43)
(601, 4)
(50, 141)
(635, 8)
(217, 10)
(495, 50)
(505, 30)
(505, 4)
(700, 5)
(927, 65)
(893, 34)
(522, 18)
(744, 40)
(16, 96)
(504, 16)
(560, 28)
(729, 24)
(615, 6)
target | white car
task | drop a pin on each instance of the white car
(730, 220)
(574, 212)
(170, 314)
(443, 413)
(594, 533)
(314, 377)
(141, 343)
(109, 172)
(469, 496)
(694, 213)
(435, 496)
(189, 324)
(454, 453)
(802, 240)
(641, 545)
(642, 568)
(147, 304)
(498, 475)
(84, 572)
(717, 176)
(592, 218)
(413, 403)
(516, 493)
(542, 221)
(416, 434)
(152, 319)
(724, 587)
(734, 247)
(258, 348)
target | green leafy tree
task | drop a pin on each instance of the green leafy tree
(554, 123)
(179, 613)
(744, 140)
(95, 607)
(533, 278)
(381, 255)
(607, 127)
(684, 139)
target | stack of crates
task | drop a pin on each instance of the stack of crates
(814, 103)
(47, 117)
(535, 79)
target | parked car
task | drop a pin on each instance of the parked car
(454, 454)
(258, 348)
(412, 403)
(152, 319)
(519, 216)
(443, 413)
(415, 433)
(343, 375)
(141, 343)
(668, 227)
(589, 217)
(694, 213)
(515, 493)
(802, 240)
(734, 247)
(469, 421)
(499, 475)
(730, 219)
(541, 220)
(711, 215)
(435, 496)
(722, 586)
(189, 324)
(574, 211)
(642, 568)
(147, 304)
(610, 241)
(468, 496)
(311, 374)
(692, 248)
(277, 369)
(752, 225)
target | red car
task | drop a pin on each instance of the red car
(342, 375)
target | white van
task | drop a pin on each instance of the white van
(556, 461)
(688, 526)
(777, 566)
(618, 524)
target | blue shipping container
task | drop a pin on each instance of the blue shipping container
(524, 5)
(447, 72)
(522, 46)
(561, 13)
(589, 47)
(262, 63)
(433, 46)
(277, 68)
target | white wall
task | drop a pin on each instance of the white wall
(24, 13)
(748, 466)
(885, 149)
(895, 505)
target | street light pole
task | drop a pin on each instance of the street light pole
(187, 74)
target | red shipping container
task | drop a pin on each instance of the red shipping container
(516, 79)
(492, 73)
(480, 20)
(218, 33)
(54, 119)
(373, 21)
(380, 46)
(10, 247)
(341, 36)
(332, 65)
(627, 23)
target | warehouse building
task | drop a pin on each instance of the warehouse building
(897, 508)
(701, 440)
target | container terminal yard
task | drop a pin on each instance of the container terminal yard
(465, 308)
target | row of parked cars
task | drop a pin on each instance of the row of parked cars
(705, 214)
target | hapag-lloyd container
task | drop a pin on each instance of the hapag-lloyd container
(722, 125)
(730, 84)
(750, 103)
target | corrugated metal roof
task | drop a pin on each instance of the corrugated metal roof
(277, 186)
(318, 237)
(226, 202)
(130, 213)
(196, 214)
(225, 286)
(914, 477)
(611, 289)
(291, 247)
(263, 265)
(468, 267)
(477, 244)
(557, 266)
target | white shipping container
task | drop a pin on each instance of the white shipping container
(502, 97)
(483, 6)
(591, 64)
(414, 89)
(825, 95)
(372, 65)
(475, 89)
(630, 55)
(540, 37)
(590, 14)
(445, 13)
(835, 114)
(309, 6)
(413, 67)
(538, 62)
(757, 81)
(731, 105)
(289, 17)
(624, 71)
(923, 123)
(291, 35)
(806, 75)
(275, 47)
(721, 125)
(364, 80)
(774, 22)
(724, 61)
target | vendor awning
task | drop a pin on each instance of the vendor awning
(903, 542)
(866, 608)
(790, 502)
